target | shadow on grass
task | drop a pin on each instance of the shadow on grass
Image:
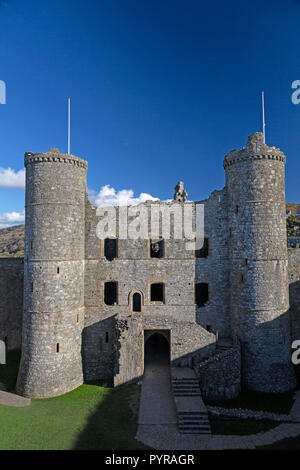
(239, 427)
(111, 425)
(91, 417)
(250, 400)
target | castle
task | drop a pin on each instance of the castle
(91, 305)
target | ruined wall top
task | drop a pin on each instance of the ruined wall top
(54, 155)
(255, 149)
(180, 193)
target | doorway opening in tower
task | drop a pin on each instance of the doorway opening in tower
(157, 348)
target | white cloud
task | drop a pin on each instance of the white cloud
(11, 218)
(108, 196)
(10, 178)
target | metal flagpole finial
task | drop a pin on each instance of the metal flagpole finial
(69, 126)
(263, 115)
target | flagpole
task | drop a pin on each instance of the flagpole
(69, 126)
(263, 115)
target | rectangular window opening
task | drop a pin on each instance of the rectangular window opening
(157, 292)
(201, 294)
(111, 293)
(157, 249)
(110, 248)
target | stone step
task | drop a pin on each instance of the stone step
(196, 424)
(188, 397)
(191, 419)
(182, 389)
(185, 380)
(186, 385)
(195, 432)
(195, 429)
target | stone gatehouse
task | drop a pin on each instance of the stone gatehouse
(91, 304)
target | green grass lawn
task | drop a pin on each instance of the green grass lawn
(279, 403)
(94, 417)
(90, 417)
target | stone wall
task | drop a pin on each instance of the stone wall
(220, 375)
(187, 340)
(294, 286)
(11, 301)
(134, 271)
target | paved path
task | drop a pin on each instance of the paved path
(157, 406)
(10, 399)
(167, 437)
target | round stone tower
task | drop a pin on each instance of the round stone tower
(255, 181)
(53, 313)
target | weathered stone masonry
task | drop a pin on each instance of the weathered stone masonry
(72, 333)
(11, 301)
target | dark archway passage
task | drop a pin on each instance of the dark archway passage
(157, 350)
(137, 302)
(157, 404)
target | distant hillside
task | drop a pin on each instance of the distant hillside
(12, 238)
(293, 209)
(12, 241)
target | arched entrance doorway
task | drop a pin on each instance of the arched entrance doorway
(137, 302)
(157, 348)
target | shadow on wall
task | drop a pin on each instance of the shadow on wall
(98, 352)
(294, 289)
(266, 352)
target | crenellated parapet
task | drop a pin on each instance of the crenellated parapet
(256, 149)
(54, 155)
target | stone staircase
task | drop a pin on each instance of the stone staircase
(186, 387)
(191, 411)
(193, 422)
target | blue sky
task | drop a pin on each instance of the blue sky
(161, 89)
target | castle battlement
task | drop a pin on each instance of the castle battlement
(256, 149)
(54, 155)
